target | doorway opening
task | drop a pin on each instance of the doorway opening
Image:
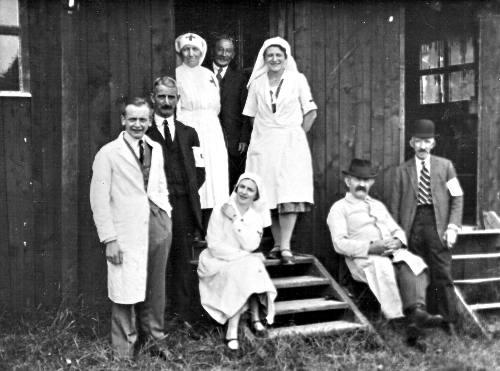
(441, 85)
(246, 21)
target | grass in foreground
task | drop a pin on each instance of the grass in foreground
(65, 341)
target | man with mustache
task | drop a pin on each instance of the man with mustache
(233, 95)
(374, 247)
(427, 201)
(185, 172)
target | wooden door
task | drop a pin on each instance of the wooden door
(441, 85)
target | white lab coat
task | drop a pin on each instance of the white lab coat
(279, 151)
(120, 208)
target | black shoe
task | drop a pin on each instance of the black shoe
(273, 254)
(425, 320)
(191, 332)
(261, 333)
(287, 259)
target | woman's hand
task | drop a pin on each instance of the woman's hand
(228, 211)
(308, 121)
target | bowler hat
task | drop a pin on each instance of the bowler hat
(361, 169)
(423, 128)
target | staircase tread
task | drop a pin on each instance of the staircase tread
(483, 306)
(476, 256)
(299, 281)
(477, 280)
(308, 305)
(298, 260)
(316, 328)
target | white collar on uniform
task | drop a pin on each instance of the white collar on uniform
(134, 143)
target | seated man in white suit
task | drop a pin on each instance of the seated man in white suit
(374, 248)
(129, 200)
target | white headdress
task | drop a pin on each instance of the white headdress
(260, 66)
(259, 205)
(193, 40)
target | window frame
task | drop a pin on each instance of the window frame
(22, 32)
(448, 69)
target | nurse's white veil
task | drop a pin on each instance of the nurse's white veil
(260, 66)
(193, 40)
(260, 205)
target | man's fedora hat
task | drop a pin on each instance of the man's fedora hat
(361, 169)
(423, 128)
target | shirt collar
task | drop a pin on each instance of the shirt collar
(159, 120)
(427, 162)
(131, 140)
(351, 199)
(216, 69)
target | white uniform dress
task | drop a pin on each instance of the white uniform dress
(228, 270)
(199, 108)
(279, 151)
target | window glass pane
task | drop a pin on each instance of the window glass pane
(9, 13)
(432, 55)
(431, 89)
(9, 63)
(462, 85)
(461, 50)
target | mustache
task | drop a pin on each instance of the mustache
(167, 106)
(360, 188)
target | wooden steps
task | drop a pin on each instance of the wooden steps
(310, 302)
(476, 273)
(308, 305)
(317, 328)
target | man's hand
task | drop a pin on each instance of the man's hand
(377, 247)
(114, 253)
(242, 147)
(393, 243)
(450, 236)
(228, 211)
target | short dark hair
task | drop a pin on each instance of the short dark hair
(222, 36)
(277, 46)
(165, 81)
(135, 101)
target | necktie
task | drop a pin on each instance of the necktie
(219, 74)
(166, 131)
(424, 186)
(141, 151)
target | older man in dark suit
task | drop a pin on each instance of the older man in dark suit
(185, 172)
(233, 94)
(427, 201)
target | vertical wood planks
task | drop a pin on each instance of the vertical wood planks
(162, 39)
(489, 113)
(19, 206)
(5, 288)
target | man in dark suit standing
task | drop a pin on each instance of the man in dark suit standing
(233, 95)
(185, 172)
(427, 201)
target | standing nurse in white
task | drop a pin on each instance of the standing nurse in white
(199, 107)
(283, 111)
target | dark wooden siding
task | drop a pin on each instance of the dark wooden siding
(489, 113)
(81, 64)
(352, 56)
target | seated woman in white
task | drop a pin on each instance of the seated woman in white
(232, 277)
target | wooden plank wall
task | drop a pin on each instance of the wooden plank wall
(489, 112)
(124, 45)
(93, 57)
(351, 56)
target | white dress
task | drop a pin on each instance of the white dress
(279, 151)
(199, 108)
(228, 270)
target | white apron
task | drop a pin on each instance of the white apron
(279, 151)
(199, 107)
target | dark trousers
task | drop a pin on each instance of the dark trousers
(412, 288)
(425, 242)
(145, 320)
(236, 168)
(183, 295)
